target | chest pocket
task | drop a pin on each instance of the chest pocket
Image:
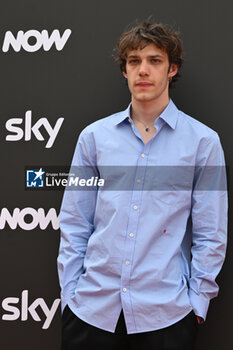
(170, 184)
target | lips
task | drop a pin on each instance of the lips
(144, 84)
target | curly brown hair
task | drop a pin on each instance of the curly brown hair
(142, 34)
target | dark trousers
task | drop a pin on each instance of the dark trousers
(79, 335)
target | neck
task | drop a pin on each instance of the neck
(148, 111)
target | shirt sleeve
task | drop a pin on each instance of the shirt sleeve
(209, 224)
(76, 219)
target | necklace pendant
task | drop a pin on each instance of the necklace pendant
(147, 129)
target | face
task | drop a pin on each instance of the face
(148, 73)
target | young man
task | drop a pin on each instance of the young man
(138, 260)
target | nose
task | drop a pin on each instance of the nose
(143, 69)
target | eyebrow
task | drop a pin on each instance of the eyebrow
(151, 56)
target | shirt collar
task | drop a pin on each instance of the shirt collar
(121, 116)
(169, 115)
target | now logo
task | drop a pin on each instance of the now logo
(37, 217)
(33, 40)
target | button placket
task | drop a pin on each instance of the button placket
(132, 230)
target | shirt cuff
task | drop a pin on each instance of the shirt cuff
(199, 303)
(63, 303)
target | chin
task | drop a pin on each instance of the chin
(144, 98)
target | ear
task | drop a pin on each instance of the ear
(125, 75)
(173, 70)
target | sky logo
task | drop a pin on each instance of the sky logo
(35, 178)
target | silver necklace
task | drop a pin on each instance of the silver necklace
(147, 129)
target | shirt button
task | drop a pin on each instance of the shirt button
(135, 207)
(131, 234)
(138, 181)
(127, 262)
(142, 155)
(124, 289)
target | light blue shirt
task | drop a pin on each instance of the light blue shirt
(153, 251)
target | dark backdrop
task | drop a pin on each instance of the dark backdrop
(81, 83)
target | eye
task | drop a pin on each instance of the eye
(133, 61)
(155, 60)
